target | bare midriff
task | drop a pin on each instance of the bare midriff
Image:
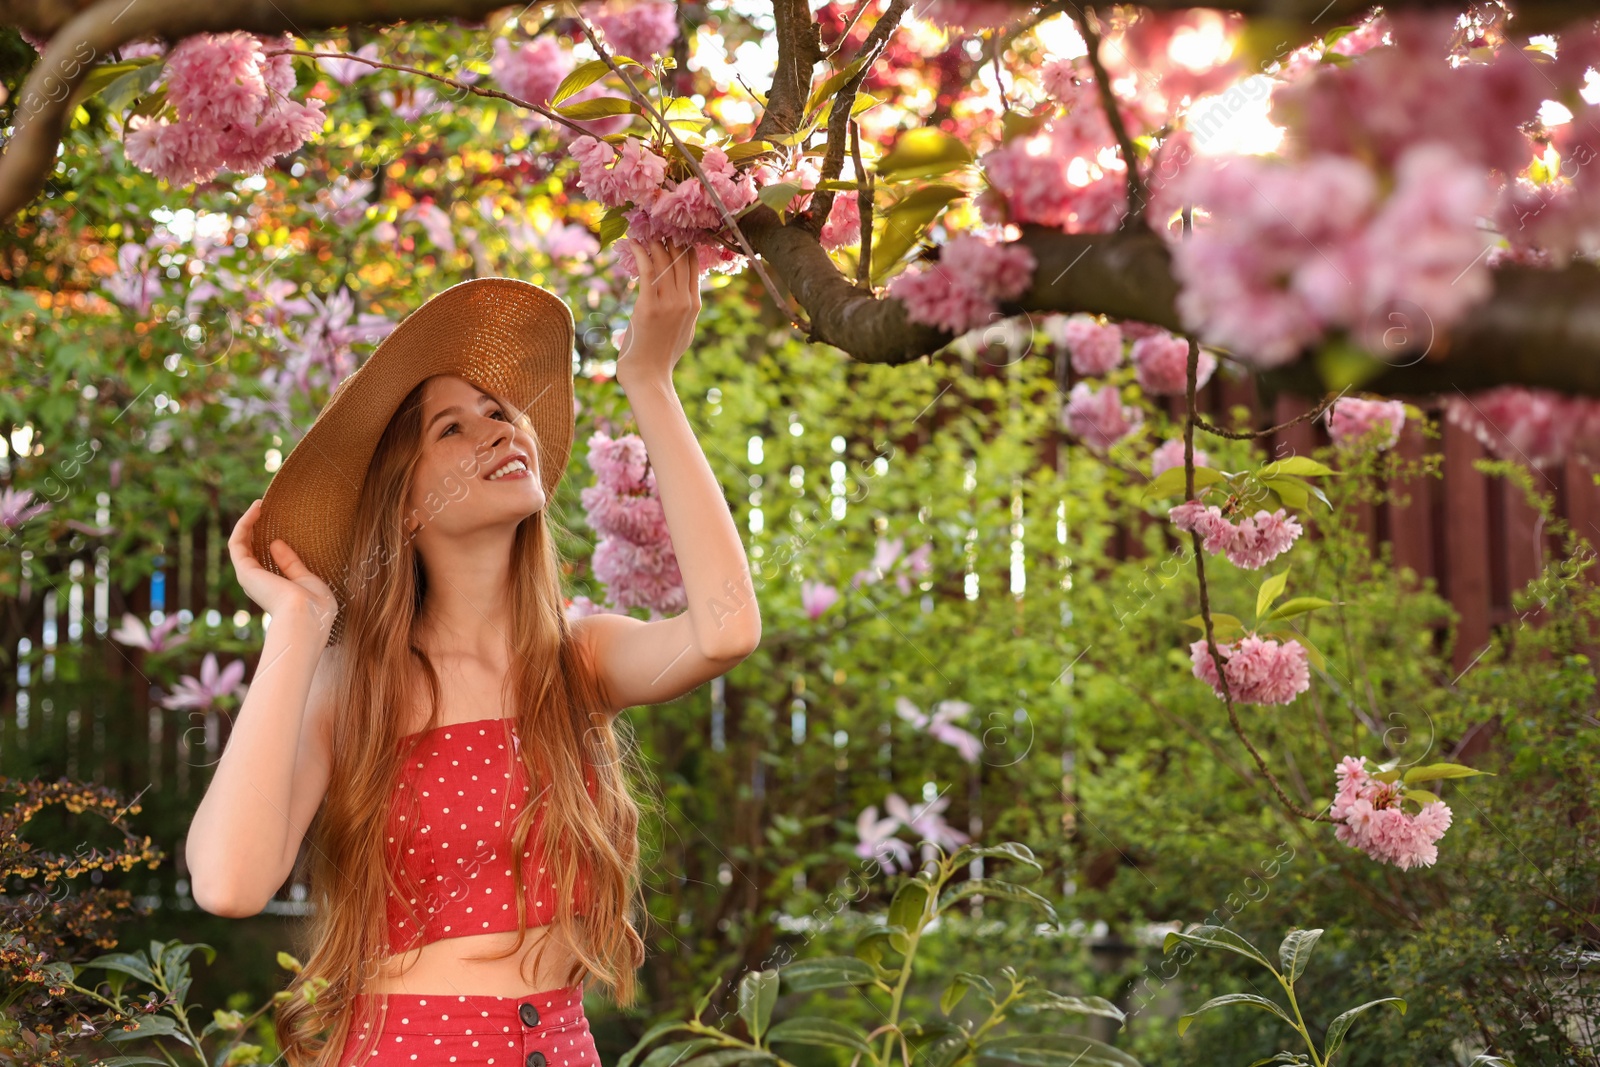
(442, 967)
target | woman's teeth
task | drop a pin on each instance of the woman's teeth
(510, 468)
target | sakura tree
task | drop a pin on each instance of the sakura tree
(1056, 179)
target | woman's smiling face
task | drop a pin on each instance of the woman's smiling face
(467, 436)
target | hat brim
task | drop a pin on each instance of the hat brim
(508, 337)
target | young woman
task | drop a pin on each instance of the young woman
(422, 695)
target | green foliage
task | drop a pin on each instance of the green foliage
(900, 1037)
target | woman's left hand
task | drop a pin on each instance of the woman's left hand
(663, 319)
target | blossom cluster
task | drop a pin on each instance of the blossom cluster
(1373, 821)
(1251, 543)
(1098, 417)
(1260, 670)
(1354, 423)
(1534, 426)
(961, 291)
(233, 111)
(1170, 455)
(634, 558)
(640, 31)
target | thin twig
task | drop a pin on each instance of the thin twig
(1108, 102)
(1200, 574)
(855, 16)
(864, 190)
(1246, 435)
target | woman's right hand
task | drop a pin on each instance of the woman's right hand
(296, 591)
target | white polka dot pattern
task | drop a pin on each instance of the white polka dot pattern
(547, 1029)
(463, 786)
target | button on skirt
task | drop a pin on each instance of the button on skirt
(547, 1029)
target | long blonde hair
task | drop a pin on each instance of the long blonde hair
(588, 842)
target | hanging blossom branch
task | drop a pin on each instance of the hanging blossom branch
(1200, 575)
(1247, 435)
(796, 319)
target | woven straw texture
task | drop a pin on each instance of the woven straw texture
(508, 337)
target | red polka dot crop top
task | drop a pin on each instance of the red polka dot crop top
(450, 825)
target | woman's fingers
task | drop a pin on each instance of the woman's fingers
(239, 542)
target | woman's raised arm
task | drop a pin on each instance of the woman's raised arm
(260, 798)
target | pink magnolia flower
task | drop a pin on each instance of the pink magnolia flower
(158, 638)
(211, 686)
(878, 841)
(136, 283)
(1355, 423)
(1373, 821)
(961, 291)
(1259, 670)
(1099, 417)
(1162, 363)
(816, 598)
(349, 71)
(941, 725)
(16, 509)
(1094, 347)
(1170, 455)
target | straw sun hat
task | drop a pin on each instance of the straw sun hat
(508, 337)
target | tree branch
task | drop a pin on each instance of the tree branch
(799, 51)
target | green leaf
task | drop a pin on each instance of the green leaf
(778, 194)
(130, 87)
(862, 102)
(1172, 481)
(1217, 937)
(1293, 492)
(1007, 850)
(1302, 465)
(1185, 1021)
(758, 993)
(748, 150)
(1341, 1025)
(1434, 772)
(1422, 796)
(904, 223)
(585, 75)
(942, 1051)
(133, 965)
(101, 77)
(1271, 590)
(825, 972)
(612, 226)
(1296, 950)
(1016, 124)
(1313, 655)
(1046, 1000)
(923, 153)
(1297, 606)
(675, 1054)
(1224, 628)
(600, 107)
(909, 905)
(729, 1056)
(952, 996)
(815, 1030)
(993, 887)
(650, 1035)
(1050, 1050)
(833, 83)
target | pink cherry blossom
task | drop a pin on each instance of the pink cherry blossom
(962, 290)
(1094, 347)
(1356, 423)
(1162, 364)
(1534, 426)
(968, 14)
(233, 111)
(1098, 417)
(1170, 455)
(1260, 670)
(632, 176)
(634, 558)
(532, 70)
(1262, 538)
(641, 29)
(1215, 531)
(1057, 175)
(1371, 818)
(843, 226)
(349, 71)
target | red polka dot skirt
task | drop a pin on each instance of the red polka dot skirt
(547, 1029)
